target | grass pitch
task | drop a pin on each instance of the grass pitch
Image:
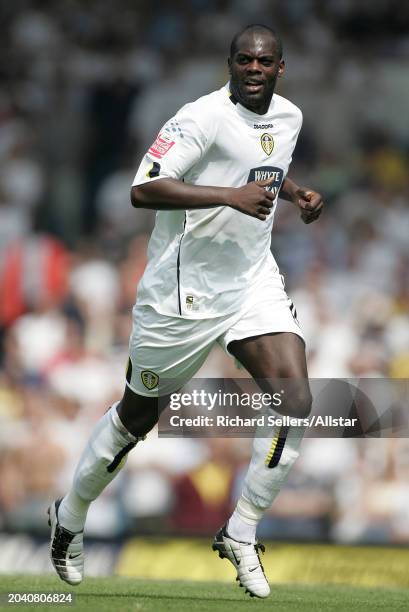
(131, 595)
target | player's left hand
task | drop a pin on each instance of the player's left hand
(310, 204)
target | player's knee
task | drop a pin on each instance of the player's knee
(138, 424)
(299, 404)
(138, 414)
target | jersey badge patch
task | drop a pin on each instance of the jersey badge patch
(190, 303)
(149, 379)
(267, 143)
(161, 146)
(154, 170)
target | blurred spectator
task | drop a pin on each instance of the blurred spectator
(34, 274)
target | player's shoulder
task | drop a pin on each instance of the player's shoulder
(288, 108)
(203, 114)
(206, 107)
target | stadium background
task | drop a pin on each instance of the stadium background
(85, 88)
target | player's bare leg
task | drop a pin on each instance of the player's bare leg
(275, 356)
(267, 357)
(116, 433)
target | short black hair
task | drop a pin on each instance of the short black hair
(255, 27)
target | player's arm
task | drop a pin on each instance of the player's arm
(308, 201)
(173, 194)
(182, 143)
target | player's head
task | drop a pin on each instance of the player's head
(255, 63)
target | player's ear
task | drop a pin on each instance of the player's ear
(281, 68)
(229, 65)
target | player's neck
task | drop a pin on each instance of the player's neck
(260, 109)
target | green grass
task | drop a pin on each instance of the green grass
(130, 595)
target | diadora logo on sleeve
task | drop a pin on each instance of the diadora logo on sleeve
(162, 145)
(267, 172)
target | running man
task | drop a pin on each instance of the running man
(214, 174)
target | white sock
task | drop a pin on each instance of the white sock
(73, 511)
(243, 522)
(103, 457)
(275, 451)
(271, 462)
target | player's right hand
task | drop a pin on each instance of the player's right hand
(253, 199)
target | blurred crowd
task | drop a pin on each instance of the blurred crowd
(85, 89)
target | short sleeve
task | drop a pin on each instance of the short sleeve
(298, 126)
(179, 145)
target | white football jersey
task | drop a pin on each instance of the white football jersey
(204, 262)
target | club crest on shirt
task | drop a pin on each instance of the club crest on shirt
(267, 143)
(149, 379)
(262, 173)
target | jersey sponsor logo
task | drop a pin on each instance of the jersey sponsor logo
(267, 143)
(161, 146)
(262, 173)
(149, 379)
(263, 126)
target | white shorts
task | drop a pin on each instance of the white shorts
(165, 352)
